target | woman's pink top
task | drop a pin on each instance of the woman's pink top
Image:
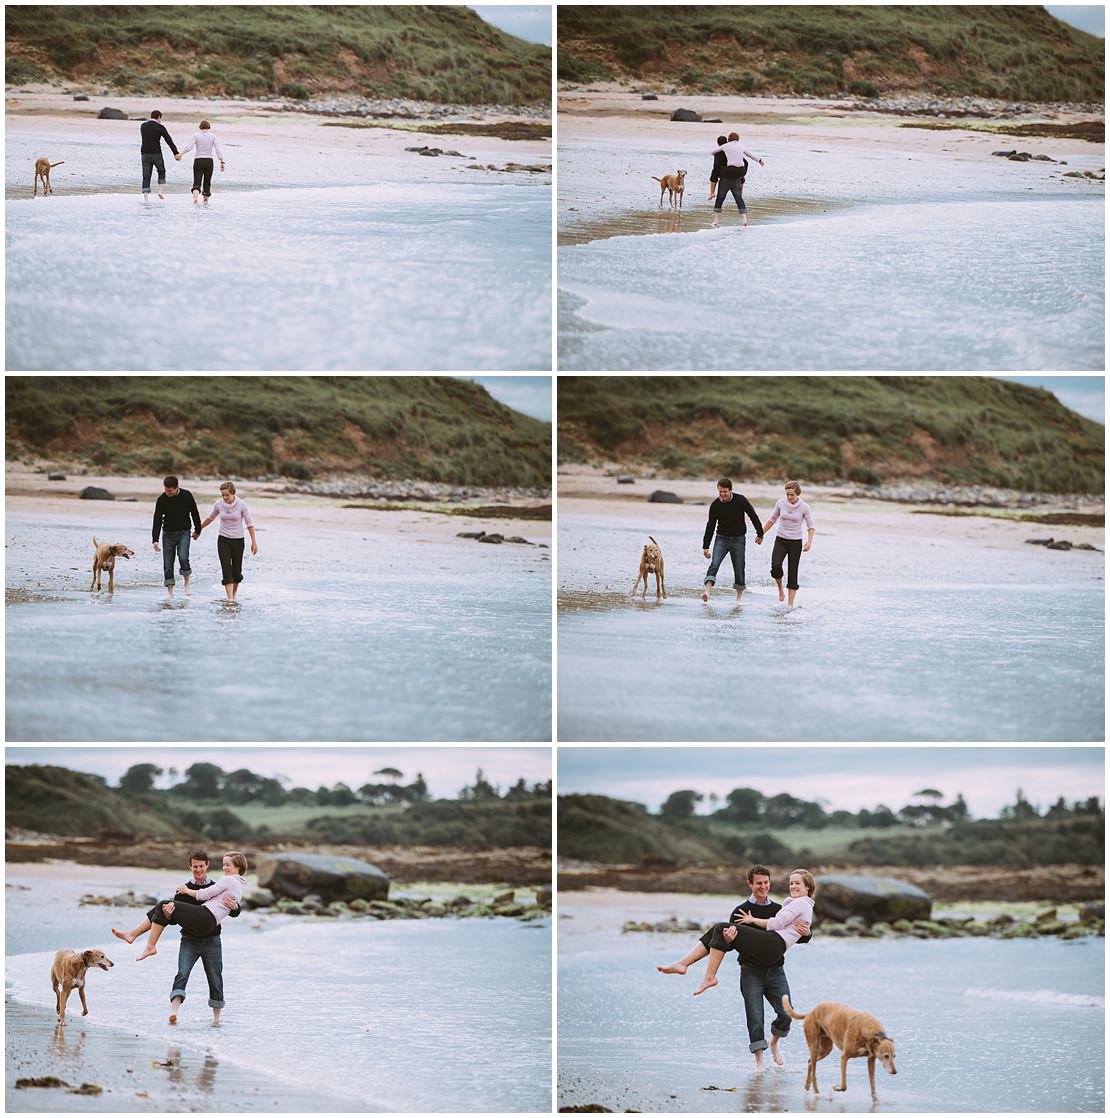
(235, 518)
(230, 883)
(791, 517)
(797, 908)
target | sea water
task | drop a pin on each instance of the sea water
(409, 639)
(978, 1024)
(429, 1015)
(891, 639)
(880, 261)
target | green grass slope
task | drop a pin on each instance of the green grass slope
(433, 53)
(871, 430)
(1008, 51)
(432, 428)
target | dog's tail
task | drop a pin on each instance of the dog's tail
(790, 1009)
(95, 544)
(58, 164)
(654, 540)
(656, 178)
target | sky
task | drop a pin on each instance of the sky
(531, 395)
(840, 777)
(524, 21)
(1086, 395)
(1087, 17)
(446, 769)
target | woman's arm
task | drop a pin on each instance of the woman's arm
(796, 908)
(254, 542)
(809, 542)
(221, 886)
(748, 918)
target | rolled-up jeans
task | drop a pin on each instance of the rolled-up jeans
(757, 983)
(153, 162)
(210, 952)
(175, 543)
(727, 545)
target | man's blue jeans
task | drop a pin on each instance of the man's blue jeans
(175, 543)
(209, 951)
(728, 545)
(757, 983)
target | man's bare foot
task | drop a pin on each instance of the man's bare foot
(758, 1054)
(672, 968)
(706, 983)
(705, 594)
(215, 1017)
(161, 196)
(173, 1017)
(149, 951)
(739, 593)
(775, 1054)
(127, 937)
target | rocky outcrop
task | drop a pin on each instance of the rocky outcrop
(111, 114)
(664, 497)
(686, 114)
(874, 899)
(95, 493)
(332, 878)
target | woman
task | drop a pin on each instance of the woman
(196, 919)
(204, 141)
(234, 516)
(792, 511)
(762, 942)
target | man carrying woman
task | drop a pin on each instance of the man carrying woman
(731, 176)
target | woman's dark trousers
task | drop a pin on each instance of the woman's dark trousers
(790, 550)
(202, 176)
(192, 918)
(756, 945)
(231, 558)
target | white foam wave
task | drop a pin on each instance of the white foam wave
(1039, 997)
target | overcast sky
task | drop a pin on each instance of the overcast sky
(524, 21)
(842, 777)
(1087, 17)
(531, 395)
(446, 769)
(1086, 395)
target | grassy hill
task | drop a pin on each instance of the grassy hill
(432, 428)
(1015, 52)
(432, 53)
(952, 430)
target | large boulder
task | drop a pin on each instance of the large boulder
(686, 114)
(332, 878)
(665, 497)
(95, 493)
(873, 898)
(111, 114)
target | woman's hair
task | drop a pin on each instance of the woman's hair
(807, 877)
(205, 124)
(227, 487)
(722, 139)
(795, 486)
(241, 862)
(734, 136)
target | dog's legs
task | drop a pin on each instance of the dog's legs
(843, 1073)
(634, 586)
(92, 585)
(84, 1004)
(871, 1076)
(112, 579)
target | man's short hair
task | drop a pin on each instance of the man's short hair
(725, 483)
(169, 482)
(199, 856)
(757, 871)
(722, 139)
(734, 136)
(155, 114)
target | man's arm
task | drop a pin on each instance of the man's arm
(711, 523)
(156, 527)
(169, 139)
(194, 512)
(749, 508)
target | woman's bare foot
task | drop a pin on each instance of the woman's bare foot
(127, 937)
(782, 596)
(672, 968)
(148, 951)
(706, 983)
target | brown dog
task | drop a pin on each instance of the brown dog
(104, 559)
(651, 561)
(854, 1032)
(68, 974)
(42, 171)
(675, 183)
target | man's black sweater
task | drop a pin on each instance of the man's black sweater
(153, 132)
(728, 518)
(172, 514)
(760, 912)
(188, 898)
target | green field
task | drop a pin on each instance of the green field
(1006, 51)
(436, 53)
(869, 430)
(432, 428)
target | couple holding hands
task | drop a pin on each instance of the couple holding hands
(153, 132)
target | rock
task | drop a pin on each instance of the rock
(95, 493)
(1045, 917)
(649, 96)
(80, 97)
(1002, 920)
(359, 904)
(1019, 930)
(516, 539)
(461, 901)
(55, 477)
(1045, 158)
(470, 535)
(87, 1089)
(1059, 545)
(873, 898)
(1042, 543)
(291, 908)
(543, 898)
(712, 120)
(1020, 157)
(1005, 154)
(509, 909)
(1085, 547)
(421, 147)
(1091, 911)
(333, 877)
(429, 151)
(258, 898)
(663, 497)
(685, 114)
(435, 909)
(504, 898)
(111, 114)
(625, 479)
(1051, 927)
(493, 537)
(1075, 931)
(41, 1081)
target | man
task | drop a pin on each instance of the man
(727, 514)
(733, 174)
(208, 949)
(757, 983)
(172, 513)
(153, 133)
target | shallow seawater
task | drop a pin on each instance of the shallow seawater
(393, 276)
(890, 640)
(430, 1015)
(918, 262)
(336, 637)
(972, 1020)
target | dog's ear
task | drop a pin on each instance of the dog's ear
(88, 957)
